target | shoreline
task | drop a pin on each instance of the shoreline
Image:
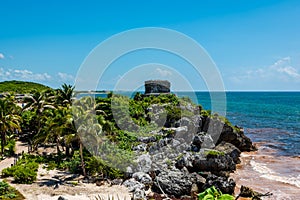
(264, 171)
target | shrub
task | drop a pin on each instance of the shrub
(8, 171)
(25, 171)
(24, 174)
(213, 194)
(73, 164)
(6, 191)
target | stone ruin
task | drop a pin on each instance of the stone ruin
(156, 87)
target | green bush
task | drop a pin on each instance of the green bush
(73, 164)
(6, 191)
(25, 171)
(24, 174)
(213, 194)
(8, 171)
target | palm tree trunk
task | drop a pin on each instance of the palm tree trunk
(67, 150)
(81, 156)
(2, 142)
(57, 147)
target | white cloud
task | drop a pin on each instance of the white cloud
(23, 74)
(1, 56)
(163, 72)
(281, 70)
(64, 77)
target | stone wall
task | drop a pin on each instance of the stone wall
(157, 86)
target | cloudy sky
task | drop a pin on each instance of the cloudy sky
(254, 44)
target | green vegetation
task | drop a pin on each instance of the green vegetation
(214, 153)
(10, 120)
(21, 87)
(25, 170)
(213, 194)
(8, 192)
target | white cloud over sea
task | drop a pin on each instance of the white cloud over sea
(279, 75)
(2, 56)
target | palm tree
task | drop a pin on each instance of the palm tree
(88, 128)
(64, 94)
(9, 119)
(38, 103)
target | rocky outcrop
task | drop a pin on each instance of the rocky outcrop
(230, 134)
(187, 155)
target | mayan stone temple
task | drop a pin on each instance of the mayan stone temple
(156, 87)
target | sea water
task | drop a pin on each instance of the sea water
(272, 121)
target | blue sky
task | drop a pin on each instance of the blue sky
(255, 44)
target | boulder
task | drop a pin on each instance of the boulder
(142, 178)
(224, 184)
(221, 131)
(144, 163)
(236, 137)
(213, 163)
(229, 149)
(199, 161)
(176, 182)
(139, 194)
(202, 140)
(133, 185)
(193, 123)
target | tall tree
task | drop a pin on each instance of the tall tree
(9, 119)
(38, 103)
(88, 128)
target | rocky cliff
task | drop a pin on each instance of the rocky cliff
(187, 155)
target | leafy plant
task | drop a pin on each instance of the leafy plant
(25, 174)
(6, 191)
(213, 194)
(25, 171)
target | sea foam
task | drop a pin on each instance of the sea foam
(272, 175)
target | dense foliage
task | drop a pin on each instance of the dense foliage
(21, 87)
(10, 120)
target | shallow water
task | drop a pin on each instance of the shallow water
(264, 172)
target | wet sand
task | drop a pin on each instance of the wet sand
(264, 172)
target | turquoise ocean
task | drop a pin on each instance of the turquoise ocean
(272, 118)
(272, 121)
